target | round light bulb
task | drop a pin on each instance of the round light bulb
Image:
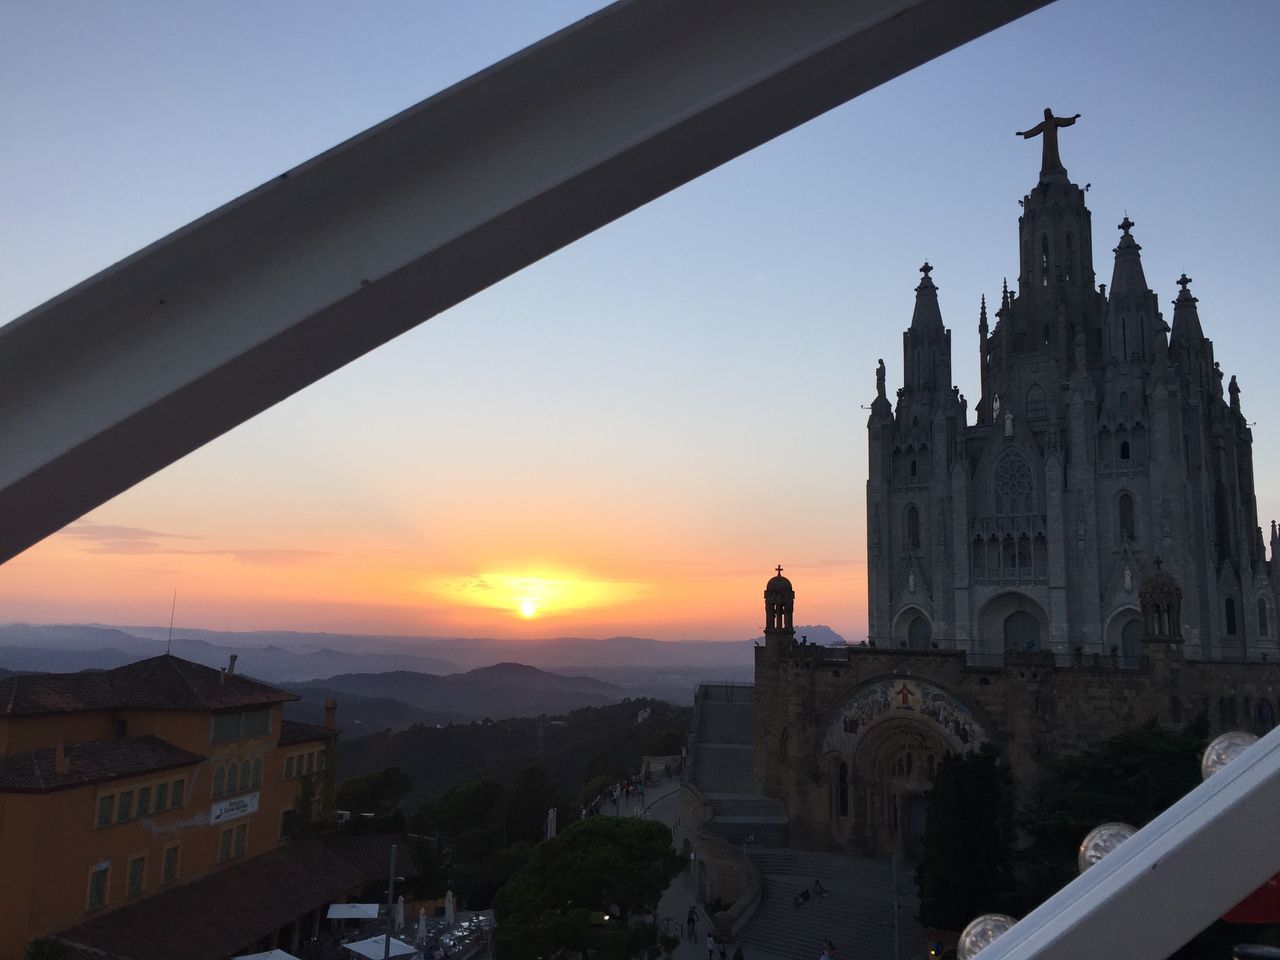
(1101, 841)
(982, 932)
(1223, 750)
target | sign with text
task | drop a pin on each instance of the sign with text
(234, 808)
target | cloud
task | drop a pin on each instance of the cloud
(110, 539)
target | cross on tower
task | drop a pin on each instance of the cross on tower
(1126, 224)
(925, 269)
(779, 569)
(1183, 281)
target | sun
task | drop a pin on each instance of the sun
(528, 609)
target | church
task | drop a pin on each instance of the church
(1083, 557)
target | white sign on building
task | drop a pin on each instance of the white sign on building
(234, 808)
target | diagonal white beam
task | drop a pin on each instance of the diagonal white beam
(1172, 879)
(139, 365)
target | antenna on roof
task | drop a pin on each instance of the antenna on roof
(169, 643)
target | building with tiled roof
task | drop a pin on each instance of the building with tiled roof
(121, 785)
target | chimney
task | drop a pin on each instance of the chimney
(231, 665)
(61, 763)
(331, 714)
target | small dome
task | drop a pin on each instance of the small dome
(779, 584)
(1158, 586)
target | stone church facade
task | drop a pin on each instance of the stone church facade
(1102, 439)
(1081, 559)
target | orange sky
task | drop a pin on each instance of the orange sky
(632, 432)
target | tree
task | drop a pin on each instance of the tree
(45, 948)
(966, 868)
(1131, 777)
(579, 892)
(665, 744)
(378, 793)
(533, 791)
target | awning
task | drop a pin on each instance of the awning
(353, 911)
(373, 947)
(269, 955)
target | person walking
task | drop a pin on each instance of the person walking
(711, 947)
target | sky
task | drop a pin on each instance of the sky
(626, 437)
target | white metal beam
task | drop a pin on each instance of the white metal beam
(1172, 879)
(155, 356)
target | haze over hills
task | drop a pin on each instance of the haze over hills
(637, 666)
(499, 691)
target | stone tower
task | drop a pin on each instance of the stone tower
(1102, 439)
(779, 607)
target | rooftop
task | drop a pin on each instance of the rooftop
(292, 732)
(99, 761)
(158, 683)
(218, 915)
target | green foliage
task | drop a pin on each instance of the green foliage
(556, 904)
(468, 806)
(1131, 778)
(477, 882)
(532, 793)
(45, 948)
(378, 793)
(593, 741)
(665, 744)
(595, 787)
(966, 868)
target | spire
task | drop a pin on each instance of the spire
(927, 315)
(1127, 275)
(1186, 319)
(1004, 296)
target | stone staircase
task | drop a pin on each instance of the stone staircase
(857, 915)
(724, 768)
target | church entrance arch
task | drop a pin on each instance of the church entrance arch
(890, 735)
(913, 629)
(1124, 634)
(1012, 622)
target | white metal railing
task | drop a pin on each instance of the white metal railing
(1172, 879)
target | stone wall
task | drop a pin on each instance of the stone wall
(1030, 708)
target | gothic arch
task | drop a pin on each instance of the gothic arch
(1126, 518)
(1037, 407)
(994, 616)
(909, 619)
(1123, 633)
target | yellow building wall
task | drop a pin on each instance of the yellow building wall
(49, 842)
(23, 734)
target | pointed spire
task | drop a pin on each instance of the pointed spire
(1128, 276)
(927, 314)
(1186, 319)
(1004, 296)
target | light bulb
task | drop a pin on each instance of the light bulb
(982, 932)
(1223, 750)
(1101, 841)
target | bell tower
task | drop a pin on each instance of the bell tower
(779, 606)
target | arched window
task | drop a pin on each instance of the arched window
(1070, 257)
(219, 781)
(1262, 616)
(1127, 526)
(911, 469)
(1229, 608)
(257, 772)
(245, 776)
(1037, 406)
(233, 778)
(843, 790)
(1044, 260)
(913, 527)
(1124, 449)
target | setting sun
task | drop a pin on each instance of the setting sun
(528, 608)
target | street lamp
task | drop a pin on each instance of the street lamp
(982, 932)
